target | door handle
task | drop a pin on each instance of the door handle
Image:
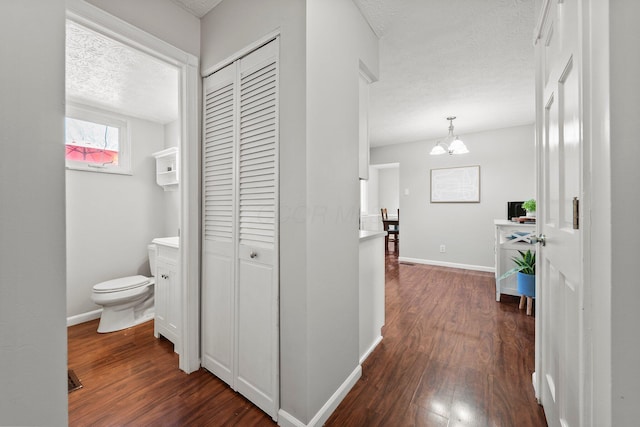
(253, 254)
(542, 239)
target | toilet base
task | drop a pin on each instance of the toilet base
(112, 321)
(123, 316)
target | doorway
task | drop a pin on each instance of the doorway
(182, 130)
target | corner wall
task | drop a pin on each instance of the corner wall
(338, 41)
(33, 342)
(507, 173)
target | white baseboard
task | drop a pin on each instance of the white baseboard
(84, 317)
(448, 264)
(370, 349)
(287, 420)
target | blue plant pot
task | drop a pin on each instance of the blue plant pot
(527, 284)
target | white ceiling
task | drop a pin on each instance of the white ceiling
(104, 73)
(466, 58)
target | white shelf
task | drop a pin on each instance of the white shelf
(511, 237)
(167, 175)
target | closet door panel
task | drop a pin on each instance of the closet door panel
(257, 291)
(219, 213)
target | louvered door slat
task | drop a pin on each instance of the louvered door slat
(218, 163)
(257, 154)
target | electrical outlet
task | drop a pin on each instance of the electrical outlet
(443, 249)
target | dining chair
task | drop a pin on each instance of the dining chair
(392, 227)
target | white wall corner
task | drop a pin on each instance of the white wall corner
(287, 420)
(448, 264)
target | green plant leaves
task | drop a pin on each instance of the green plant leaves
(525, 263)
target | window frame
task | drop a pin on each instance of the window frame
(101, 117)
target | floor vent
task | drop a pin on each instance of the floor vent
(406, 263)
(74, 382)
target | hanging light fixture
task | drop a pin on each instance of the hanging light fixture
(450, 144)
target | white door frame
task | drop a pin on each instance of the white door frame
(102, 22)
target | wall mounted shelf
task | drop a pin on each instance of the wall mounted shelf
(167, 173)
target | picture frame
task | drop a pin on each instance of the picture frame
(455, 185)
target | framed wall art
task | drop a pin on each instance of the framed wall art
(455, 185)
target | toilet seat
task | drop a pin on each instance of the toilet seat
(121, 284)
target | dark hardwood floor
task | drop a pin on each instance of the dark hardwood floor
(451, 356)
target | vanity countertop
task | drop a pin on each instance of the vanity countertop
(172, 242)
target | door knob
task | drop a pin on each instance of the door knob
(542, 239)
(253, 254)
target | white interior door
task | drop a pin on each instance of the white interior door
(240, 312)
(257, 342)
(560, 297)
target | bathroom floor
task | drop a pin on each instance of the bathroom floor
(131, 378)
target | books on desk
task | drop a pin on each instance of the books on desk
(524, 219)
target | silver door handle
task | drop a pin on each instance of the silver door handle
(253, 254)
(542, 239)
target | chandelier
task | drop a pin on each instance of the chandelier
(450, 144)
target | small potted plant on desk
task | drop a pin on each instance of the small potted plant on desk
(526, 270)
(530, 207)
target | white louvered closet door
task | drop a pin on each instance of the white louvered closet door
(252, 213)
(218, 186)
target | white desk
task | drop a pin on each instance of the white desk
(511, 237)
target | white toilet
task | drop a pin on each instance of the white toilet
(127, 301)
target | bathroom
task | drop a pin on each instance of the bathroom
(112, 216)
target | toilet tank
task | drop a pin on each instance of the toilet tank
(153, 254)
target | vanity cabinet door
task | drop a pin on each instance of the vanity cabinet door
(167, 302)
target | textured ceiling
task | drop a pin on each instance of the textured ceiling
(199, 8)
(104, 73)
(468, 58)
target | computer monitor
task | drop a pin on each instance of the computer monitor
(515, 210)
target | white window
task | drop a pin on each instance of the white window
(96, 141)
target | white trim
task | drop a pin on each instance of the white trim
(102, 22)
(287, 420)
(542, 18)
(370, 349)
(448, 264)
(243, 52)
(84, 317)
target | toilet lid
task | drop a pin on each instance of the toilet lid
(121, 284)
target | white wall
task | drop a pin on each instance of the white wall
(162, 18)
(33, 366)
(625, 199)
(507, 161)
(112, 218)
(373, 205)
(171, 198)
(389, 190)
(338, 39)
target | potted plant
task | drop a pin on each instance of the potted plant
(530, 207)
(526, 270)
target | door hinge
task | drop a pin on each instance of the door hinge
(576, 213)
